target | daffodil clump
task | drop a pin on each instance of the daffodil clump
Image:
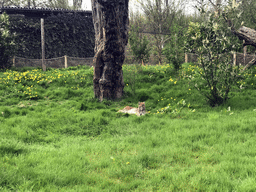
(175, 108)
(30, 84)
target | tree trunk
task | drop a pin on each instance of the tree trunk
(110, 18)
(249, 36)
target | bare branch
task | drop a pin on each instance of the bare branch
(251, 63)
(212, 3)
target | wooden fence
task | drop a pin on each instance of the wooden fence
(60, 62)
(66, 61)
(237, 59)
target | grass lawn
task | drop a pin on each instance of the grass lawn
(54, 136)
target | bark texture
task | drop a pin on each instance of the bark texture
(249, 36)
(110, 18)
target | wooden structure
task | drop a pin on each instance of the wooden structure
(248, 36)
(41, 13)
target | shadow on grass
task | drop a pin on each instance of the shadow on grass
(11, 150)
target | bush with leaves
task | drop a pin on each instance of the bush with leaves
(174, 49)
(6, 42)
(139, 45)
(212, 41)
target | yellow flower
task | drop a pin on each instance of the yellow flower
(127, 163)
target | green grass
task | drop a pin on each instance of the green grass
(54, 136)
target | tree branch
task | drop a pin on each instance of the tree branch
(251, 63)
(212, 3)
(247, 34)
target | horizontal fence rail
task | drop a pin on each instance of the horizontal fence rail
(66, 61)
(237, 59)
(60, 62)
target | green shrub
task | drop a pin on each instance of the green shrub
(212, 41)
(139, 45)
(6, 42)
(174, 49)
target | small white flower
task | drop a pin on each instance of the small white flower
(228, 109)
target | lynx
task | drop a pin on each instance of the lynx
(141, 110)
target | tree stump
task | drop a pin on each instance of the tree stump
(110, 18)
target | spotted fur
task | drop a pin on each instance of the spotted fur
(141, 110)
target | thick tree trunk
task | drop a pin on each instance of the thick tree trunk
(110, 19)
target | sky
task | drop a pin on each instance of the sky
(87, 5)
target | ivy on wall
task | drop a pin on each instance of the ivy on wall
(65, 34)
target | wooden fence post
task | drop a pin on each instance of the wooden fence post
(234, 59)
(245, 52)
(66, 61)
(186, 58)
(43, 44)
(13, 61)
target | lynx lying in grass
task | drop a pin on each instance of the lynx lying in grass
(141, 110)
